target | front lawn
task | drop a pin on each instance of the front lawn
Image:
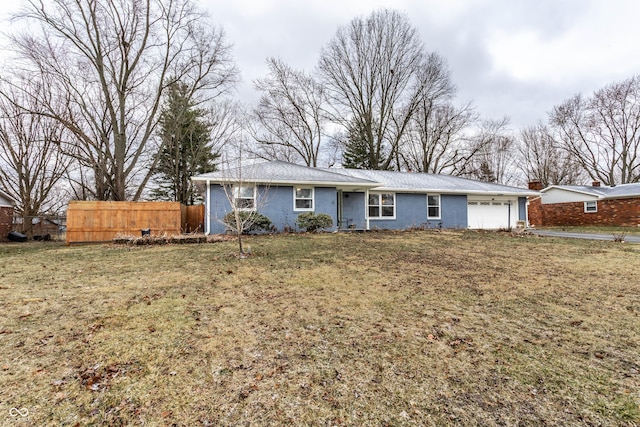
(416, 328)
(630, 231)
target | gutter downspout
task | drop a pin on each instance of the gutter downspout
(207, 214)
(366, 209)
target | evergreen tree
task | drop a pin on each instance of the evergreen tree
(186, 147)
(485, 173)
(357, 152)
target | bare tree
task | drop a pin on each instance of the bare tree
(436, 141)
(245, 196)
(31, 162)
(495, 157)
(290, 115)
(603, 132)
(376, 72)
(109, 63)
(545, 160)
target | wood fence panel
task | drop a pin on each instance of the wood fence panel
(89, 221)
(193, 219)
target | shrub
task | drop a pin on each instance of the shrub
(253, 221)
(309, 221)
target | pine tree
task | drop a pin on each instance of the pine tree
(485, 173)
(186, 147)
(358, 152)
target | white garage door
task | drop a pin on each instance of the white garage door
(492, 213)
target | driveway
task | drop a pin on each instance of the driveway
(589, 236)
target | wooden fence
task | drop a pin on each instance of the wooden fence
(102, 221)
(192, 219)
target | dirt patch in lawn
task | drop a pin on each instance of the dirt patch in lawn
(416, 328)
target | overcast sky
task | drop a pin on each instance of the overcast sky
(510, 57)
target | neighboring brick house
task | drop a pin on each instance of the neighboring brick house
(6, 215)
(574, 205)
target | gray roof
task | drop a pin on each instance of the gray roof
(422, 182)
(278, 172)
(620, 191)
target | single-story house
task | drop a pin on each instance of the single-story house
(580, 205)
(361, 199)
(6, 214)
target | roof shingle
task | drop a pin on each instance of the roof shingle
(278, 172)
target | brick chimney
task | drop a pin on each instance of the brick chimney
(595, 184)
(535, 185)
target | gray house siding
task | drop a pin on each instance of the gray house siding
(276, 203)
(522, 208)
(454, 211)
(219, 208)
(278, 206)
(326, 201)
(280, 210)
(353, 210)
(411, 211)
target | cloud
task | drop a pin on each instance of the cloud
(515, 58)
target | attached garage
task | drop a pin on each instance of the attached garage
(492, 213)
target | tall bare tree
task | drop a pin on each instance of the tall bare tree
(603, 132)
(109, 63)
(31, 162)
(437, 142)
(376, 71)
(544, 159)
(495, 156)
(290, 115)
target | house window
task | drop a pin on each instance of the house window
(591, 206)
(303, 198)
(382, 205)
(245, 198)
(433, 206)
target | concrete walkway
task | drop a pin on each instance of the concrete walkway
(590, 236)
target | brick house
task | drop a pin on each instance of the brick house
(574, 205)
(6, 214)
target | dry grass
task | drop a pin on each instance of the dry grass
(419, 328)
(631, 231)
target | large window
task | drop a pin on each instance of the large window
(303, 198)
(591, 206)
(433, 206)
(382, 205)
(245, 198)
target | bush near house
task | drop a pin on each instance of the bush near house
(254, 221)
(310, 221)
